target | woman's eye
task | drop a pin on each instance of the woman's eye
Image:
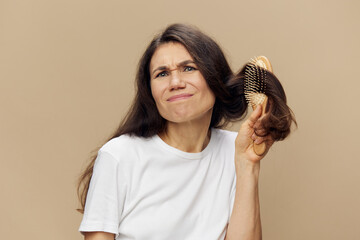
(188, 69)
(162, 74)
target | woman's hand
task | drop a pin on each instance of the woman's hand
(246, 136)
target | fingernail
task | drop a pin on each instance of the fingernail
(253, 137)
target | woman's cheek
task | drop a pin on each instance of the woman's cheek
(157, 90)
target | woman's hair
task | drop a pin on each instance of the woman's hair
(143, 118)
(279, 117)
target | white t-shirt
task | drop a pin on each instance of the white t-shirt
(142, 188)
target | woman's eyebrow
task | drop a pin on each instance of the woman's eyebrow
(183, 63)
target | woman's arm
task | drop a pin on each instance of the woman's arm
(98, 236)
(245, 223)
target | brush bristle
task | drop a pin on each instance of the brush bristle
(255, 83)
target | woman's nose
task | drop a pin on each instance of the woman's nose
(176, 80)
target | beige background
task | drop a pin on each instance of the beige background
(67, 69)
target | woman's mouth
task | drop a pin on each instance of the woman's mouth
(179, 97)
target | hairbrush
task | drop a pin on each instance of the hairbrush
(254, 89)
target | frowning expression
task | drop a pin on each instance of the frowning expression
(179, 89)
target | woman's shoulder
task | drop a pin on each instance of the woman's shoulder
(223, 139)
(225, 134)
(124, 145)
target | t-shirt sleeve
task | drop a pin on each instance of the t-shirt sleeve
(106, 196)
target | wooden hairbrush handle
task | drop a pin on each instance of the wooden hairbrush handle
(263, 62)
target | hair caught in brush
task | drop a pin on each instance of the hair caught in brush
(278, 116)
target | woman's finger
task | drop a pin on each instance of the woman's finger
(255, 115)
(253, 136)
(259, 140)
(260, 131)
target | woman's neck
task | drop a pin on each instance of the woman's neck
(190, 137)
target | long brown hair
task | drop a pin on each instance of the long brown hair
(143, 118)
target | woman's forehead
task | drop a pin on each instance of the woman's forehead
(169, 54)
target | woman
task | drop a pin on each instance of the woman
(169, 171)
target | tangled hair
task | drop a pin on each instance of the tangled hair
(143, 118)
(279, 117)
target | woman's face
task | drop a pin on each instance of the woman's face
(180, 91)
